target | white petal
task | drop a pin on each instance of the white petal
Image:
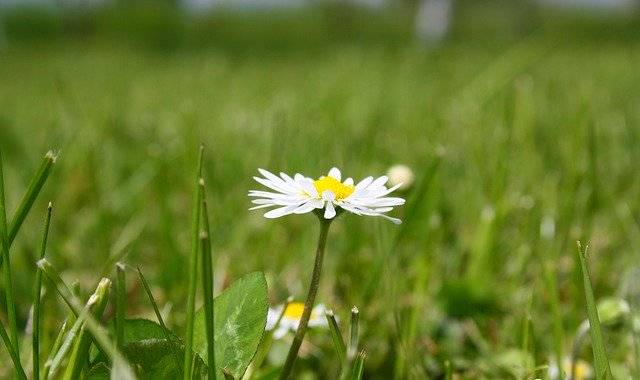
(280, 332)
(329, 211)
(349, 181)
(278, 212)
(378, 192)
(288, 179)
(335, 173)
(273, 186)
(307, 207)
(350, 208)
(383, 209)
(308, 187)
(380, 181)
(393, 220)
(276, 202)
(277, 180)
(261, 206)
(377, 202)
(364, 183)
(272, 317)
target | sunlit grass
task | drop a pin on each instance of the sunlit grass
(518, 150)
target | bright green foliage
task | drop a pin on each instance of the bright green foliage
(240, 318)
(603, 371)
(518, 112)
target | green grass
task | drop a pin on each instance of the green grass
(505, 132)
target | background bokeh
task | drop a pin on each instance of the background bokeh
(519, 119)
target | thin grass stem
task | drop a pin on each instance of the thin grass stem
(207, 288)
(308, 305)
(67, 295)
(35, 336)
(55, 348)
(34, 188)
(193, 270)
(12, 353)
(80, 354)
(121, 368)
(336, 336)
(603, 371)
(156, 310)
(8, 276)
(121, 301)
(353, 341)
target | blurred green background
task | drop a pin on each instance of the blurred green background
(521, 126)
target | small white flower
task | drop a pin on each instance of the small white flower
(400, 174)
(300, 195)
(291, 318)
(583, 370)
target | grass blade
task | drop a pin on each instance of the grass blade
(551, 286)
(14, 355)
(357, 371)
(66, 345)
(121, 299)
(353, 342)
(35, 336)
(601, 363)
(8, 278)
(336, 336)
(67, 295)
(35, 186)
(448, 370)
(207, 288)
(80, 355)
(156, 310)
(121, 368)
(54, 349)
(193, 269)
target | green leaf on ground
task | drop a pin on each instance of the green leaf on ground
(240, 319)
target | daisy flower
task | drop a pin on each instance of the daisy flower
(300, 195)
(291, 318)
(583, 370)
(402, 175)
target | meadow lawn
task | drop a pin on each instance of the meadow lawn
(521, 144)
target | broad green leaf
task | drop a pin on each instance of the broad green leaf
(145, 346)
(141, 329)
(240, 318)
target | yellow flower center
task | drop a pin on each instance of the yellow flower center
(338, 188)
(294, 310)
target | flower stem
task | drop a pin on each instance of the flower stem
(308, 304)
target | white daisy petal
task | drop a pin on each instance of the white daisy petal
(364, 183)
(278, 212)
(307, 187)
(289, 180)
(300, 195)
(392, 220)
(272, 185)
(261, 206)
(380, 181)
(335, 173)
(278, 181)
(280, 332)
(329, 211)
(305, 208)
(268, 194)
